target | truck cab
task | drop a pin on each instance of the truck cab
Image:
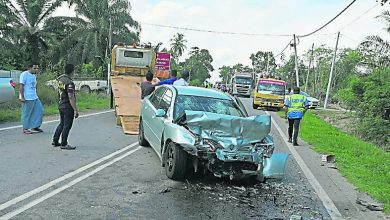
(241, 85)
(269, 93)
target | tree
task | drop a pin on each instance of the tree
(24, 25)
(260, 61)
(199, 64)
(378, 46)
(225, 72)
(89, 31)
(178, 46)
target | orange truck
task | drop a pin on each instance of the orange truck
(129, 65)
(269, 93)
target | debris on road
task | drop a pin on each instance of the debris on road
(295, 217)
(253, 196)
(168, 189)
(328, 158)
(370, 205)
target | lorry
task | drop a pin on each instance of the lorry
(129, 65)
(269, 93)
(241, 85)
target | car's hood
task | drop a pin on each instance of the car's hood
(228, 130)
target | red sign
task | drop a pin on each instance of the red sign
(163, 61)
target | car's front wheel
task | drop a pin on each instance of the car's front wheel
(176, 162)
(141, 137)
(255, 106)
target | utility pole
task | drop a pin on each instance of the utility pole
(109, 92)
(296, 61)
(308, 70)
(331, 71)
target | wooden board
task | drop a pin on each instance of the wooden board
(130, 124)
(127, 96)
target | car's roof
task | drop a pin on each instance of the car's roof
(198, 91)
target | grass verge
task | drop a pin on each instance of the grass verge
(11, 111)
(366, 166)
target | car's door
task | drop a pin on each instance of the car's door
(158, 122)
(148, 115)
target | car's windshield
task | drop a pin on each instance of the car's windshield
(271, 88)
(205, 104)
(245, 81)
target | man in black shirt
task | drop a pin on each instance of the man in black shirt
(67, 108)
(147, 87)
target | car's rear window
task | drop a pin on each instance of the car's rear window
(205, 104)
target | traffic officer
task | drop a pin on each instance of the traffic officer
(296, 106)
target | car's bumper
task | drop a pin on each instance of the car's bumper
(7, 93)
(268, 104)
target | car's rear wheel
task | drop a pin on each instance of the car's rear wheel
(176, 162)
(85, 89)
(141, 137)
(255, 106)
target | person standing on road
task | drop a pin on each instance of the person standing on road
(67, 108)
(32, 109)
(147, 87)
(169, 81)
(183, 81)
(296, 106)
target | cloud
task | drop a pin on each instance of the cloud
(255, 16)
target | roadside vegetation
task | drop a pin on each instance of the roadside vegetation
(365, 165)
(11, 111)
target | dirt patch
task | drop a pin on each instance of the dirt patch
(342, 120)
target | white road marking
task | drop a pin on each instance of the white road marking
(328, 203)
(62, 188)
(57, 120)
(60, 179)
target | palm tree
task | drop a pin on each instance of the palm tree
(89, 30)
(23, 23)
(378, 45)
(178, 46)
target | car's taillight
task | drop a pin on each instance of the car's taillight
(12, 83)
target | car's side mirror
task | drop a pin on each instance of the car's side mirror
(160, 113)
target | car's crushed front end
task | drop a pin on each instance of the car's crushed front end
(230, 146)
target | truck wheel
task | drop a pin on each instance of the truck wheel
(85, 89)
(141, 138)
(255, 106)
(176, 162)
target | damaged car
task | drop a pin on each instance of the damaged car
(196, 128)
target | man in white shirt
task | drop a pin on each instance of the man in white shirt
(183, 81)
(32, 109)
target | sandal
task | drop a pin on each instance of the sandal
(36, 130)
(26, 131)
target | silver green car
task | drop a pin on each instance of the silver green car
(192, 127)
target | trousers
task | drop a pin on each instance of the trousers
(63, 129)
(293, 127)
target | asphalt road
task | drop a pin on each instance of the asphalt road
(109, 176)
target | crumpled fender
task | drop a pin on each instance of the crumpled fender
(275, 166)
(179, 135)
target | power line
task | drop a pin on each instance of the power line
(284, 48)
(328, 21)
(358, 17)
(215, 32)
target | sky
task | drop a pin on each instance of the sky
(275, 17)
